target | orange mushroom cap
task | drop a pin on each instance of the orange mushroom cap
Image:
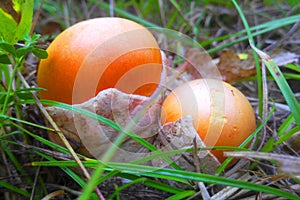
(222, 115)
(97, 54)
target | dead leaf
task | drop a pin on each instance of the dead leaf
(233, 68)
(294, 142)
(95, 138)
(282, 57)
(198, 64)
(201, 65)
(180, 135)
(50, 28)
(228, 67)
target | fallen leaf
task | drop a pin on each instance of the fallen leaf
(282, 57)
(94, 138)
(233, 68)
(228, 67)
(50, 28)
(201, 65)
(180, 135)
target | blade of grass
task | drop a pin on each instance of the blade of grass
(259, 30)
(286, 136)
(126, 185)
(10, 134)
(182, 195)
(154, 184)
(179, 10)
(124, 14)
(159, 154)
(294, 67)
(14, 189)
(43, 140)
(284, 133)
(147, 182)
(6, 117)
(16, 163)
(255, 57)
(10, 84)
(288, 122)
(68, 171)
(282, 84)
(176, 175)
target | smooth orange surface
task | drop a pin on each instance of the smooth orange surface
(221, 114)
(97, 54)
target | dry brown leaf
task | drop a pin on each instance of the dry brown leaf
(233, 68)
(198, 64)
(294, 142)
(95, 138)
(282, 57)
(181, 135)
(201, 65)
(50, 28)
(228, 67)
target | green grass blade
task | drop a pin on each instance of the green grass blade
(182, 195)
(124, 186)
(284, 133)
(154, 184)
(14, 189)
(255, 57)
(125, 14)
(258, 30)
(16, 163)
(73, 175)
(293, 67)
(10, 134)
(286, 136)
(176, 175)
(6, 117)
(68, 171)
(282, 84)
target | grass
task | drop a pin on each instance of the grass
(28, 157)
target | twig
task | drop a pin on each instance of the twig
(204, 193)
(36, 17)
(35, 182)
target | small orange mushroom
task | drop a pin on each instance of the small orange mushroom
(222, 115)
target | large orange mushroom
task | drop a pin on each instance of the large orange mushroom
(97, 54)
